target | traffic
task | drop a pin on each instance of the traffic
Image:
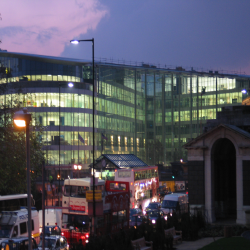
(65, 228)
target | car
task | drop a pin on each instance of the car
(136, 220)
(153, 206)
(18, 243)
(153, 215)
(51, 230)
(133, 211)
(54, 242)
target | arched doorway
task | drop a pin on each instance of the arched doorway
(224, 179)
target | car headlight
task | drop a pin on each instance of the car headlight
(153, 221)
(165, 217)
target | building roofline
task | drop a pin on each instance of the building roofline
(227, 126)
(177, 70)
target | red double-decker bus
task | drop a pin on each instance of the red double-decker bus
(111, 208)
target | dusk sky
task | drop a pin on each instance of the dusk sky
(203, 34)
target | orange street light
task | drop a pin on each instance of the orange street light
(22, 120)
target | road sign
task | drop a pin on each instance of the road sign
(98, 195)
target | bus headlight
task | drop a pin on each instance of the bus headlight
(87, 241)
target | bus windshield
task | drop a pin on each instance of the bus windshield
(169, 204)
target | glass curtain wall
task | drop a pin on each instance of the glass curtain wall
(145, 111)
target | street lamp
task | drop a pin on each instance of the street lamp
(70, 85)
(22, 120)
(93, 81)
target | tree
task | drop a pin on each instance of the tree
(13, 158)
(13, 148)
(0, 20)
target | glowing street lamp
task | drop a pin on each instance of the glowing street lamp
(22, 120)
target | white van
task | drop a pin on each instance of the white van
(175, 202)
(14, 224)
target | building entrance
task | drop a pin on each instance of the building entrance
(224, 179)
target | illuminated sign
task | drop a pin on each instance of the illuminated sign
(98, 195)
(77, 208)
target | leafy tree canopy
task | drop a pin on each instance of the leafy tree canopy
(13, 171)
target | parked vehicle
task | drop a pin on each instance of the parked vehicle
(153, 206)
(175, 203)
(133, 211)
(13, 224)
(153, 215)
(15, 202)
(54, 242)
(136, 220)
(19, 243)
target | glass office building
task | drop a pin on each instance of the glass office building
(143, 110)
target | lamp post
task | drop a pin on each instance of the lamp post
(70, 85)
(93, 81)
(22, 120)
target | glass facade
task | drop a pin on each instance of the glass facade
(146, 111)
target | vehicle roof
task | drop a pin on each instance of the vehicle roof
(173, 196)
(82, 182)
(12, 196)
(152, 203)
(16, 239)
(54, 237)
(23, 211)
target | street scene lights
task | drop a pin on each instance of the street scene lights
(93, 81)
(77, 169)
(22, 120)
(70, 85)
